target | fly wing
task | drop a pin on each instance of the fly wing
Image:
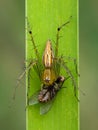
(45, 107)
(34, 98)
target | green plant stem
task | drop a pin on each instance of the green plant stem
(45, 16)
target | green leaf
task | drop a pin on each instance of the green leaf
(44, 17)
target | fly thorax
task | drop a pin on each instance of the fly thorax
(56, 86)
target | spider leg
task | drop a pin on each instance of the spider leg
(32, 39)
(75, 64)
(71, 76)
(31, 64)
(58, 36)
(76, 70)
(28, 86)
(38, 66)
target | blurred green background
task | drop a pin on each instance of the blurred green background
(89, 64)
(12, 57)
